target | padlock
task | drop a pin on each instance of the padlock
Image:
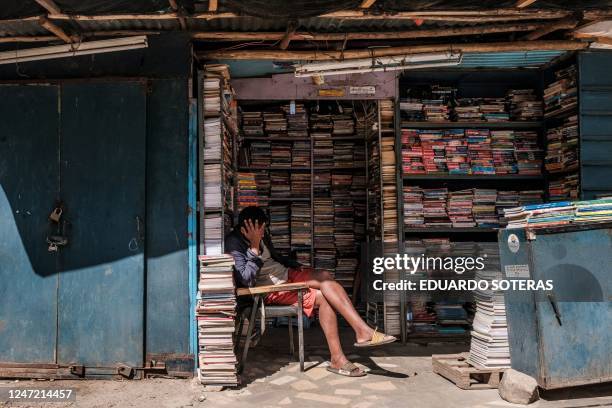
(56, 215)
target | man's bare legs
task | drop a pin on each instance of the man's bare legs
(329, 324)
(336, 297)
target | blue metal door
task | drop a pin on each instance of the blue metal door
(29, 185)
(102, 278)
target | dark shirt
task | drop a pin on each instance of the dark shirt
(247, 263)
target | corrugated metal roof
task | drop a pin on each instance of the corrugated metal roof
(522, 59)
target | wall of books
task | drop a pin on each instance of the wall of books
(216, 302)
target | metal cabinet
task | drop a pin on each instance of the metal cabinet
(562, 336)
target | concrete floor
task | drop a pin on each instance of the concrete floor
(399, 376)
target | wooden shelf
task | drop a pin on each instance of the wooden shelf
(450, 230)
(472, 177)
(478, 124)
(339, 168)
(274, 168)
(295, 199)
(275, 139)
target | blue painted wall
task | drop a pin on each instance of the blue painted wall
(166, 65)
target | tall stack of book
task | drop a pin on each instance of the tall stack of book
(262, 181)
(527, 153)
(252, 124)
(562, 147)
(388, 174)
(456, 152)
(280, 228)
(300, 154)
(297, 120)
(275, 124)
(259, 155)
(412, 152)
(280, 184)
(215, 314)
(484, 208)
(479, 151)
(301, 225)
(412, 109)
(502, 146)
(435, 110)
(524, 105)
(566, 187)
(434, 207)
(413, 207)
(466, 110)
(300, 185)
(460, 205)
(324, 246)
(216, 167)
(323, 150)
(281, 154)
(489, 346)
(494, 110)
(561, 95)
(246, 190)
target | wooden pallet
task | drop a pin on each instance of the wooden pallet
(455, 367)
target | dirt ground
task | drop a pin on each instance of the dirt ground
(399, 376)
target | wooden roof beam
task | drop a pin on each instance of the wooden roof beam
(174, 7)
(564, 24)
(291, 28)
(524, 3)
(382, 35)
(365, 4)
(318, 55)
(50, 6)
(49, 26)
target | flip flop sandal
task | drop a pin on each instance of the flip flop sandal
(348, 370)
(378, 339)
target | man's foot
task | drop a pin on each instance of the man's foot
(377, 339)
(342, 366)
(364, 335)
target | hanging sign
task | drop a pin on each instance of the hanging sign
(362, 90)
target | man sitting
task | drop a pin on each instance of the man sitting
(257, 264)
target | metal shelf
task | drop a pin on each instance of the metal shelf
(477, 124)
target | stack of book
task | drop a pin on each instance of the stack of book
(343, 154)
(275, 124)
(324, 246)
(413, 207)
(502, 146)
(459, 206)
(456, 152)
(212, 96)
(322, 183)
(528, 155)
(259, 155)
(281, 154)
(212, 138)
(412, 110)
(279, 228)
(280, 184)
(343, 124)
(467, 110)
(301, 154)
(564, 188)
(479, 151)
(561, 95)
(247, 190)
(412, 152)
(434, 207)
(435, 110)
(300, 185)
(297, 121)
(215, 314)
(252, 124)
(344, 274)
(540, 215)
(262, 181)
(524, 105)
(301, 224)
(323, 150)
(494, 110)
(484, 208)
(562, 147)
(434, 151)
(489, 345)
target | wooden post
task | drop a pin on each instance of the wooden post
(291, 27)
(174, 8)
(366, 4)
(524, 3)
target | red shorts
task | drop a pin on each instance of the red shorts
(291, 298)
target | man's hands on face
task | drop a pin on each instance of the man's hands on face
(253, 232)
